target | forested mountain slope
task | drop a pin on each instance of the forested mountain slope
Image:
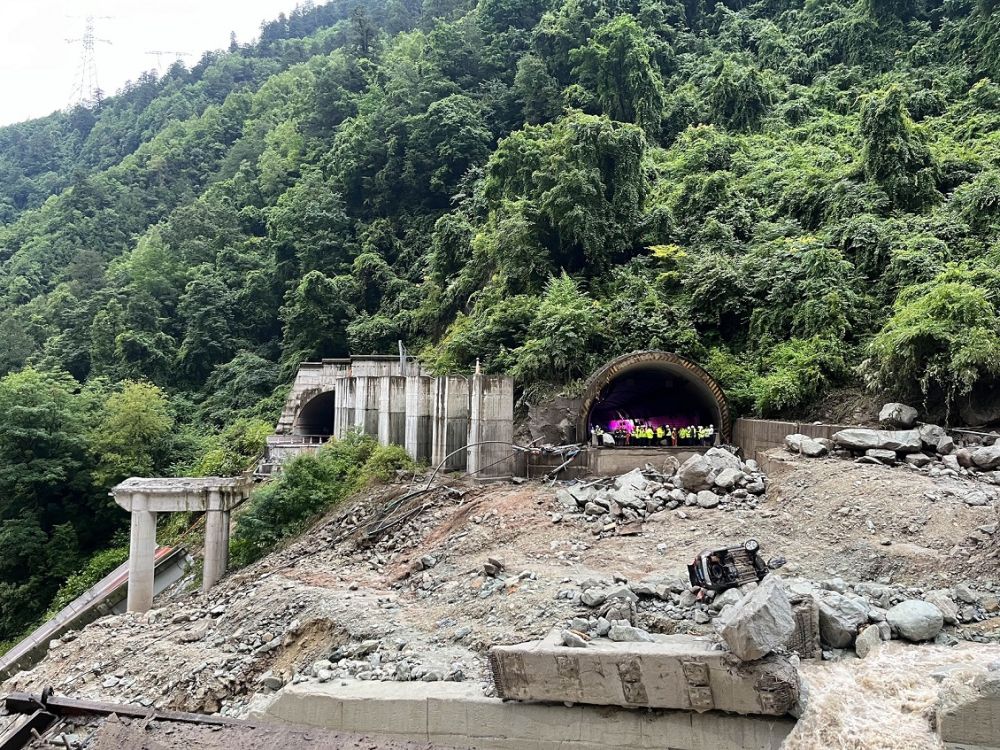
(798, 194)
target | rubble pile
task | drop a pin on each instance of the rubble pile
(717, 479)
(928, 448)
(753, 619)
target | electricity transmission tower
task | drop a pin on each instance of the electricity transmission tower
(159, 53)
(86, 90)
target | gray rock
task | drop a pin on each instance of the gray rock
(814, 448)
(840, 616)
(756, 487)
(964, 458)
(915, 620)
(931, 434)
(868, 640)
(760, 622)
(945, 446)
(861, 439)
(634, 481)
(719, 459)
(695, 474)
(677, 496)
(794, 442)
(882, 455)
(976, 497)
(707, 499)
(917, 459)
(941, 599)
(897, 415)
(594, 597)
(728, 478)
(964, 594)
(727, 597)
(629, 634)
(573, 640)
(986, 458)
(951, 462)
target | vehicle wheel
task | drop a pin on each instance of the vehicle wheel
(751, 545)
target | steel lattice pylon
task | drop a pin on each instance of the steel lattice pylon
(86, 89)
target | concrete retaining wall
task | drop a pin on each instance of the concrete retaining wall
(458, 715)
(757, 436)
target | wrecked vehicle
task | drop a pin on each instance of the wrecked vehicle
(726, 567)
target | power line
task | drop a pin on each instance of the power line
(86, 89)
(159, 53)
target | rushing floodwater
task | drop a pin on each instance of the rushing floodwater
(884, 702)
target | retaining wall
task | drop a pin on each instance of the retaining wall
(458, 715)
(756, 436)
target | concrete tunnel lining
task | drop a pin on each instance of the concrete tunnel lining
(630, 381)
(315, 416)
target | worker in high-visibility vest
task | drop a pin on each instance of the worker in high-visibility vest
(660, 434)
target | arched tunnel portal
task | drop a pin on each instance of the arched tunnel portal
(658, 388)
(315, 416)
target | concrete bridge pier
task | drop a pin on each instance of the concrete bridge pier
(145, 498)
(141, 554)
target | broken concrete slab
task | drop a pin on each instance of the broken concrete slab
(968, 715)
(458, 715)
(679, 671)
(760, 622)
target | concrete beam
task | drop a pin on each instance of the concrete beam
(678, 672)
(458, 715)
(141, 563)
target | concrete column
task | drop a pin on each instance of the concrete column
(141, 558)
(417, 436)
(383, 410)
(366, 404)
(340, 409)
(450, 421)
(216, 551)
(491, 418)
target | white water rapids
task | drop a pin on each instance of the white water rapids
(884, 702)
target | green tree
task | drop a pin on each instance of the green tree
(619, 66)
(895, 155)
(133, 435)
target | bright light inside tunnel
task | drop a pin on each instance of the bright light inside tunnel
(652, 396)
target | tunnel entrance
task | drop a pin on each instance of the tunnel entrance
(653, 390)
(315, 417)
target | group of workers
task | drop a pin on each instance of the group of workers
(642, 433)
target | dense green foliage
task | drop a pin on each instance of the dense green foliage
(798, 194)
(309, 485)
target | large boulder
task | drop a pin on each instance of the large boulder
(805, 445)
(862, 439)
(897, 415)
(760, 622)
(840, 616)
(695, 474)
(728, 478)
(943, 601)
(931, 434)
(719, 459)
(986, 458)
(868, 641)
(915, 620)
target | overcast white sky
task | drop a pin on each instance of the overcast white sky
(38, 68)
